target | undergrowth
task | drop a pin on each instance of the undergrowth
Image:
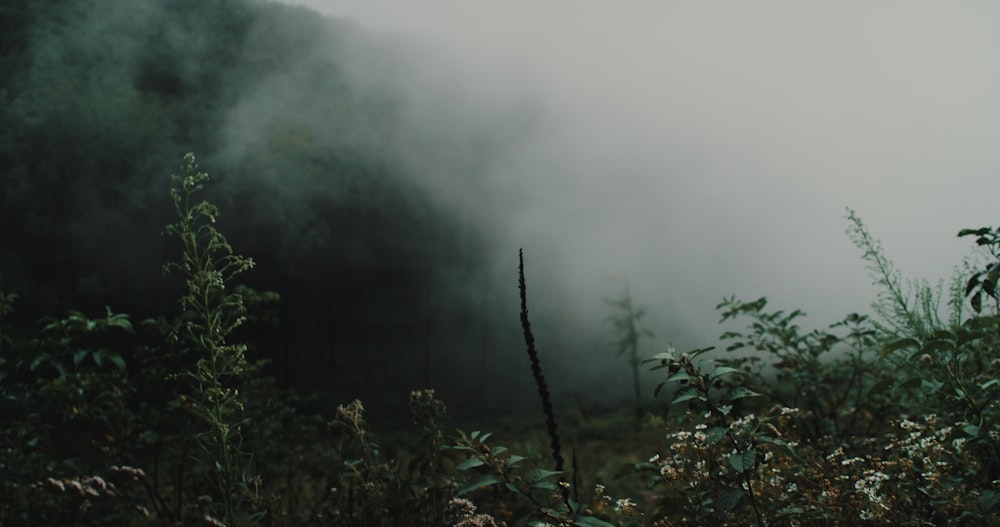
(887, 419)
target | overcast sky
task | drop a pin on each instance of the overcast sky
(709, 148)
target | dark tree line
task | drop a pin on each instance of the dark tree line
(101, 98)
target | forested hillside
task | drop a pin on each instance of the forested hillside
(101, 98)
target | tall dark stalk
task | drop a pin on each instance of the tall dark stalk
(536, 367)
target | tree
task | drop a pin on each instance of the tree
(627, 329)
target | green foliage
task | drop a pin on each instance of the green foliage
(709, 388)
(906, 308)
(532, 494)
(373, 488)
(892, 419)
(210, 314)
(825, 374)
(983, 283)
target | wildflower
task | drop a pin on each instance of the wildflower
(851, 461)
(134, 473)
(625, 505)
(462, 513)
(99, 482)
(653, 459)
(460, 507)
(788, 411)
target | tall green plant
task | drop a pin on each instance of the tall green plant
(210, 313)
(905, 308)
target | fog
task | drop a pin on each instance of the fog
(383, 166)
(703, 149)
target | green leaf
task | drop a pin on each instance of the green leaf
(660, 357)
(971, 430)
(514, 459)
(590, 521)
(716, 433)
(679, 376)
(783, 446)
(988, 500)
(907, 384)
(740, 392)
(686, 394)
(898, 345)
(476, 484)
(78, 356)
(974, 232)
(966, 337)
(723, 370)
(117, 360)
(38, 360)
(469, 463)
(931, 386)
(729, 500)
(539, 474)
(694, 353)
(743, 462)
(942, 334)
(938, 345)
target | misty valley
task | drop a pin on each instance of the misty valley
(261, 267)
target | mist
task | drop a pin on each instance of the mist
(384, 166)
(709, 149)
(298, 330)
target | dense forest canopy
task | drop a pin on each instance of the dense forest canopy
(312, 161)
